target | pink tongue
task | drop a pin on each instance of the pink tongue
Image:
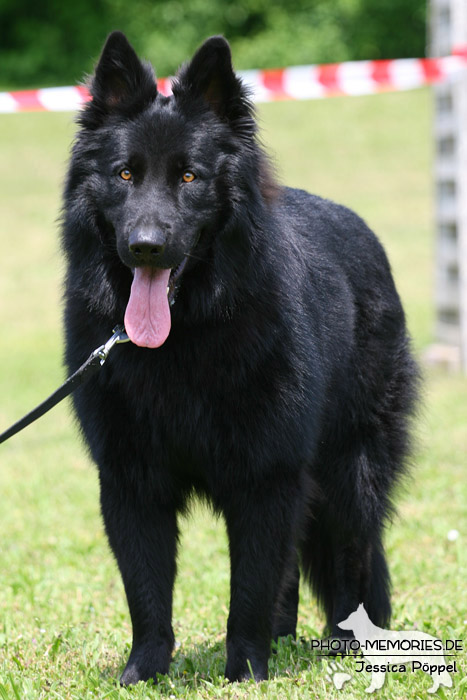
(147, 316)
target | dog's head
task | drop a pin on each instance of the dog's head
(164, 173)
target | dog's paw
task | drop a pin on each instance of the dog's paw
(145, 664)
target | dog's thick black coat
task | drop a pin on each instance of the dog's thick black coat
(283, 391)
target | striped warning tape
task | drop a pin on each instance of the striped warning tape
(296, 83)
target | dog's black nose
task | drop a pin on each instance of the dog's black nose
(146, 246)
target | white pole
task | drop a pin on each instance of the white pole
(448, 32)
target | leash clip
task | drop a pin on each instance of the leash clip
(119, 336)
(92, 365)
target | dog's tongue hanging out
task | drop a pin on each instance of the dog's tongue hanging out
(147, 316)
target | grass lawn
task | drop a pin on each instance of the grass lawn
(64, 625)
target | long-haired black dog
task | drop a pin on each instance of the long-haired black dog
(269, 369)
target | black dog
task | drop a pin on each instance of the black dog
(269, 369)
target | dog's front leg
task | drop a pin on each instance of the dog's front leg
(260, 526)
(143, 535)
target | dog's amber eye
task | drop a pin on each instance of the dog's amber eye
(188, 176)
(125, 174)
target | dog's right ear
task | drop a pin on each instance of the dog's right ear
(121, 81)
(210, 76)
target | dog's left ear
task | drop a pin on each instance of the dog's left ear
(120, 77)
(210, 75)
(121, 83)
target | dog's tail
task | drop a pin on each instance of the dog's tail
(318, 563)
(378, 595)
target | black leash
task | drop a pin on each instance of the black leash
(94, 362)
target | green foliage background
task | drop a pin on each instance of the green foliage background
(52, 42)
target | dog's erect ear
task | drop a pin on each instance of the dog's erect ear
(210, 75)
(121, 80)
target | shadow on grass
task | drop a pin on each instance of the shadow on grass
(203, 664)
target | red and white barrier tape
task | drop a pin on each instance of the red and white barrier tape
(296, 83)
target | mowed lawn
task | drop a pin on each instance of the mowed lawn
(64, 624)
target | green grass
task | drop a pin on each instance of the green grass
(64, 625)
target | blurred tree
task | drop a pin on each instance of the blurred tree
(49, 42)
(54, 42)
(389, 29)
